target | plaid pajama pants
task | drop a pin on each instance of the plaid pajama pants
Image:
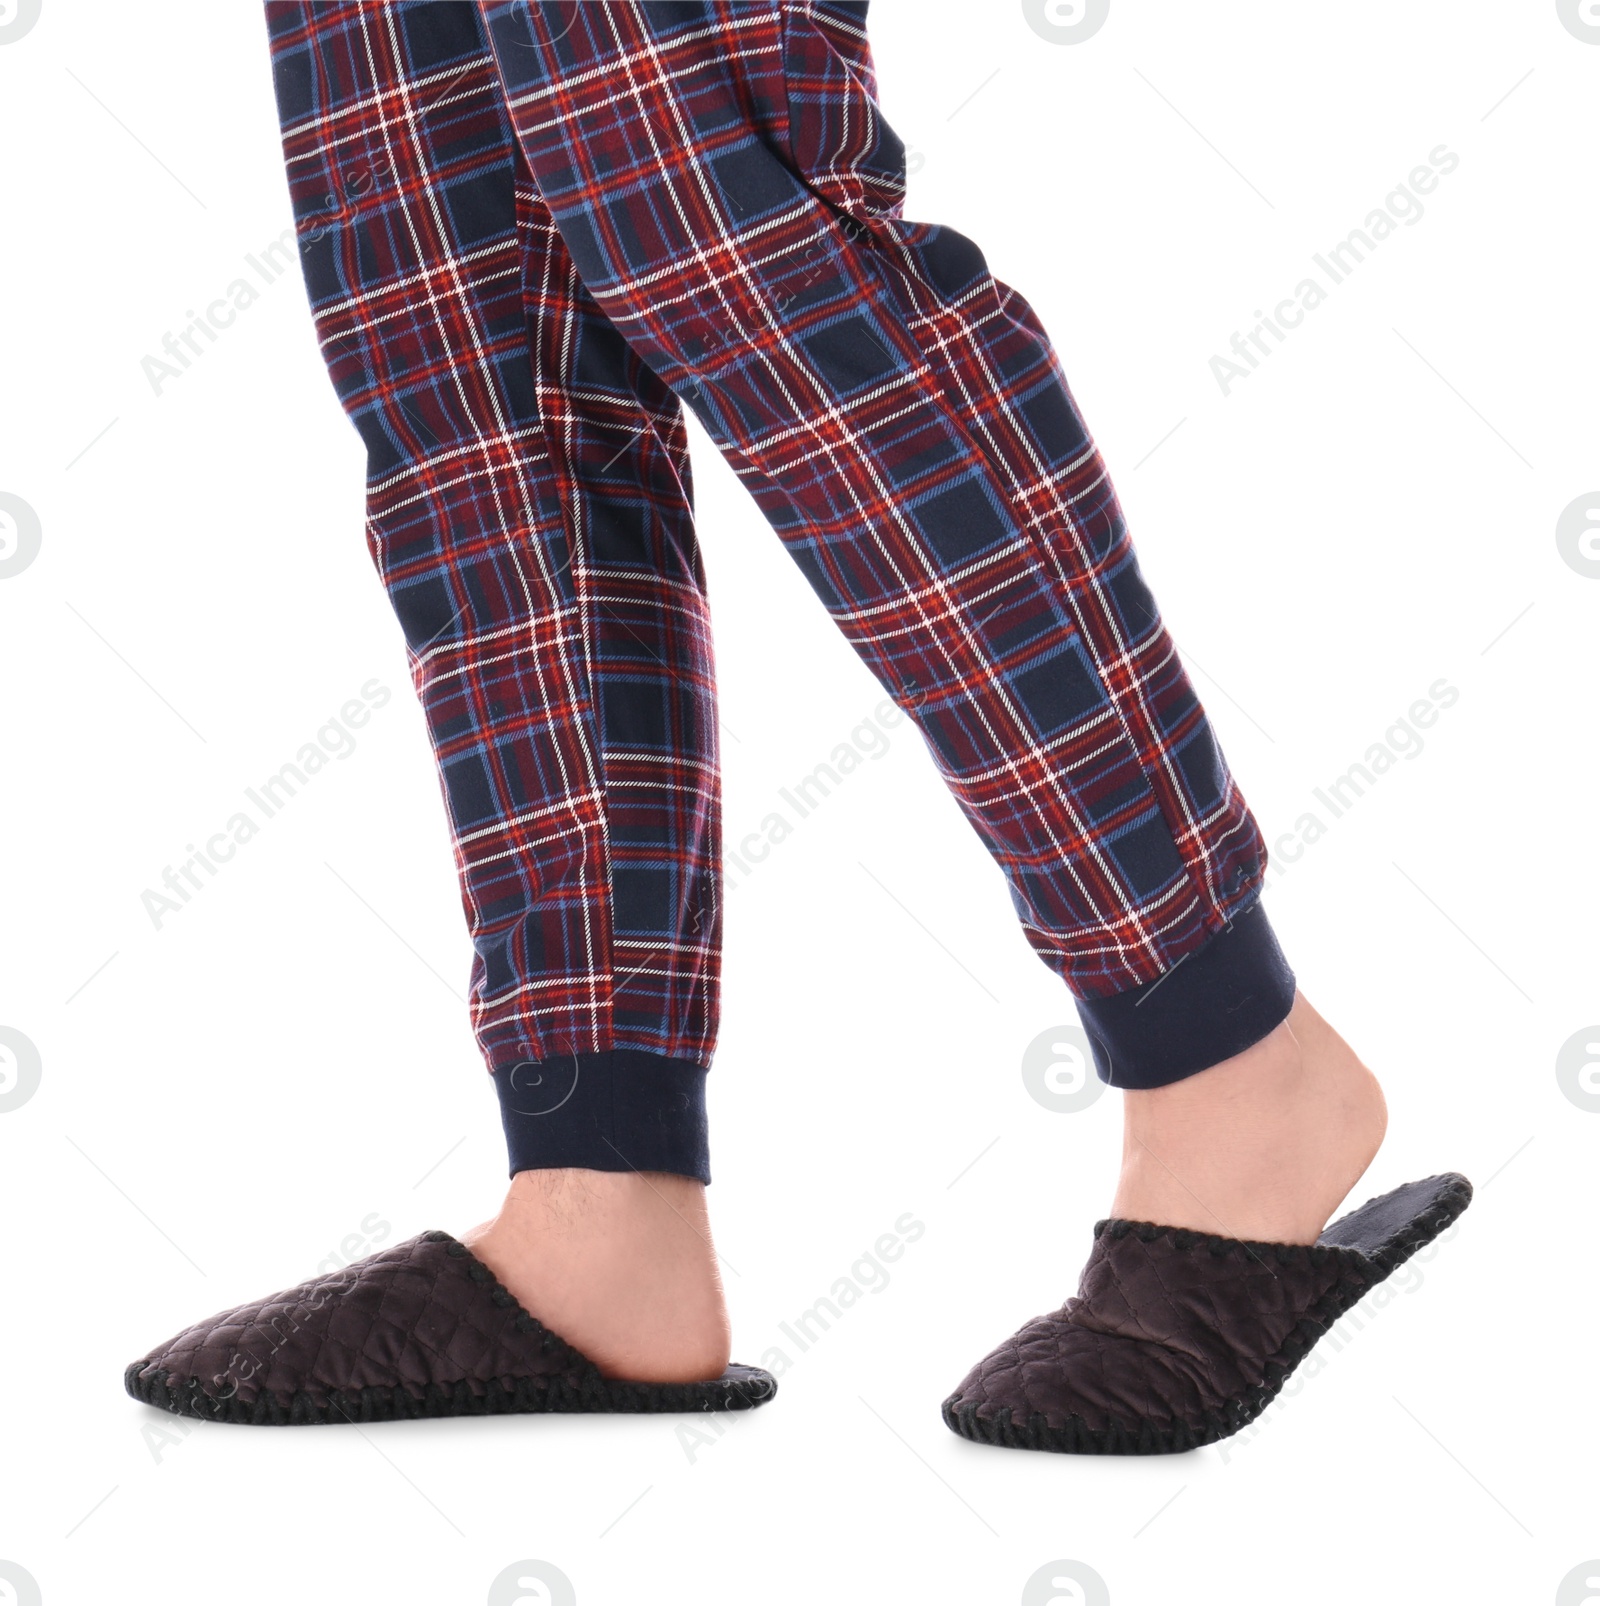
(530, 233)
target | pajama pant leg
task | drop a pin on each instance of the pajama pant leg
(731, 197)
(529, 512)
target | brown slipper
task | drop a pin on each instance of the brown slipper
(1176, 1339)
(420, 1329)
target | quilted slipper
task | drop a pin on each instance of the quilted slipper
(419, 1329)
(1176, 1339)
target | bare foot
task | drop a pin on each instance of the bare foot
(619, 1264)
(1263, 1146)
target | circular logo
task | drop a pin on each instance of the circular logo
(1070, 1582)
(1578, 1069)
(24, 1590)
(1066, 22)
(1578, 531)
(19, 524)
(1581, 18)
(1058, 1070)
(550, 12)
(542, 1087)
(17, 17)
(1580, 1585)
(532, 1581)
(20, 1069)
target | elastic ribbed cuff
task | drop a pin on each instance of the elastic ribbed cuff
(621, 1110)
(1212, 1005)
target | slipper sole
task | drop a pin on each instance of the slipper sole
(740, 1388)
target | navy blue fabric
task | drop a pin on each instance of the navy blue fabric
(1214, 1004)
(620, 1110)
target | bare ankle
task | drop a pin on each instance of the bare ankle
(619, 1264)
(1264, 1145)
(572, 1200)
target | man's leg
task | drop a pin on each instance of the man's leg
(731, 197)
(530, 514)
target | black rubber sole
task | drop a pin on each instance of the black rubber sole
(1388, 1230)
(740, 1388)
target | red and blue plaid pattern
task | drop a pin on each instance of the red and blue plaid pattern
(528, 231)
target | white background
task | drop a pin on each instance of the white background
(225, 1100)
